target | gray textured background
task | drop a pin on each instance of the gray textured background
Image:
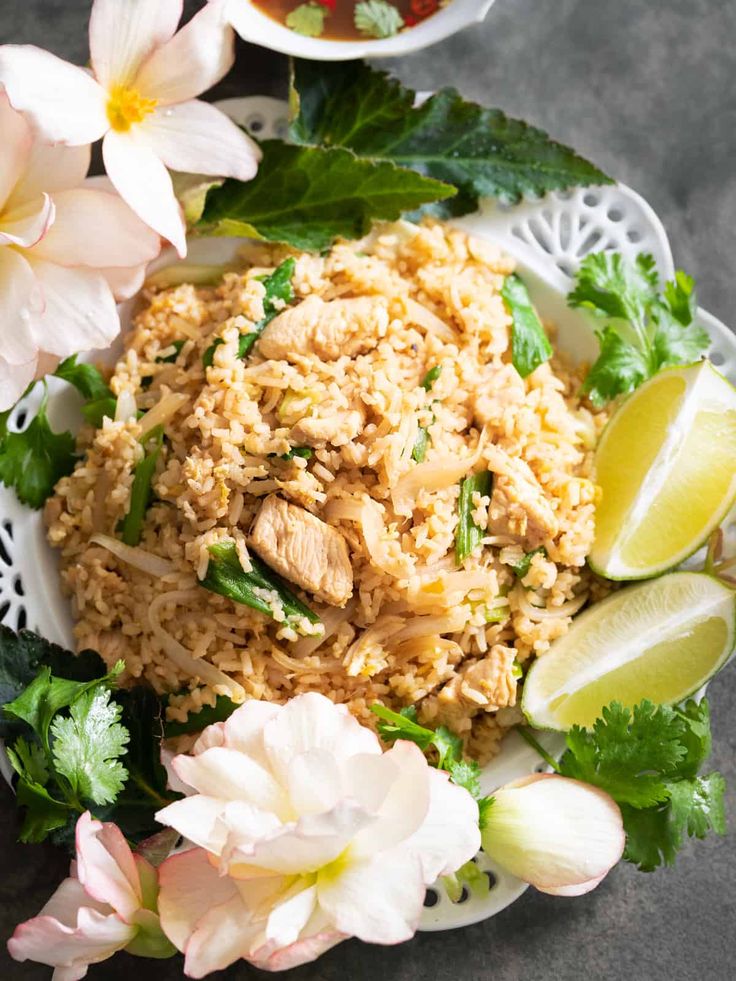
(647, 89)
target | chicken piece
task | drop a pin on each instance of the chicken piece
(337, 428)
(326, 329)
(488, 684)
(304, 550)
(518, 503)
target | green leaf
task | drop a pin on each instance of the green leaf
(131, 527)
(96, 411)
(33, 461)
(465, 773)
(521, 568)
(649, 332)
(402, 725)
(468, 535)
(225, 576)
(482, 152)
(697, 805)
(619, 368)
(308, 197)
(307, 19)
(207, 716)
(377, 18)
(47, 695)
(43, 813)
(87, 744)
(530, 346)
(28, 760)
(87, 379)
(628, 755)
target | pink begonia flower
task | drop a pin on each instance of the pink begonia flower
(561, 835)
(65, 252)
(306, 833)
(140, 96)
(107, 904)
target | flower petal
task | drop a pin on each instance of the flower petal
(95, 938)
(79, 312)
(62, 103)
(19, 293)
(123, 35)
(404, 783)
(287, 919)
(449, 835)
(189, 886)
(243, 730)
(106, 867)
(554, 832)
(314, 783)
(68, 899)
(99, 230)
(124, 283)
(314, 841)
(577, 890)
(50, 169)
(16, 148)
(312, 721)
(197, 57)
(198, 819)
(198, 138)
(27, 224)
(14, 380)
(144, 183)
(318, 936)
(230, 775)
(221, 937)
(378, 900)
(209, 738)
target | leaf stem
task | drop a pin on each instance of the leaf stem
(526, 735)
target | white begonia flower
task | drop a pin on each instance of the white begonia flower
(65, 253)
(107, 904)
(561, 835)
(305, 833)
(139, 97)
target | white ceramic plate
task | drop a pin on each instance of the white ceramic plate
(548, 237)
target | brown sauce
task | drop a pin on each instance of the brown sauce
(339, 22)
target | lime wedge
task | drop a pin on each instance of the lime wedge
(666, 466)
(660, 640)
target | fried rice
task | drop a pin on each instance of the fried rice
(341, 374)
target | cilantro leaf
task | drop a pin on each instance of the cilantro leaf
(648, 761)
(33, 461)
(309, 196)
(87, 744)
(482, 152)
(402, 725)
(649, 331)
(307, 19)
(619, 368)
(87, 379)
(28, 761)
(465, 773)
(530, 346)
(42, 812)
(377, 18)
(627, 755)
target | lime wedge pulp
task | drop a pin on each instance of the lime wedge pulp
(666, 466)
(660, 640)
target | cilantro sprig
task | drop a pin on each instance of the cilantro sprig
(649, 761)
(77, 742)
(448, 746)
(647, 330)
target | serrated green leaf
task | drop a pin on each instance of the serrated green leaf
(482, 152)
(307, 19)
(87, 745)
(43, 813)
(377, 18)
(309, 196)
(619, 368)
(28, 760)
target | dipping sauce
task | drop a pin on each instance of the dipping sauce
(349, 20)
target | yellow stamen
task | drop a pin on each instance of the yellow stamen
(126, 106)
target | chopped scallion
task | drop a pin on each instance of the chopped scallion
(468, 535)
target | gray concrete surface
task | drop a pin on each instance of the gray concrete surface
(647, 89)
